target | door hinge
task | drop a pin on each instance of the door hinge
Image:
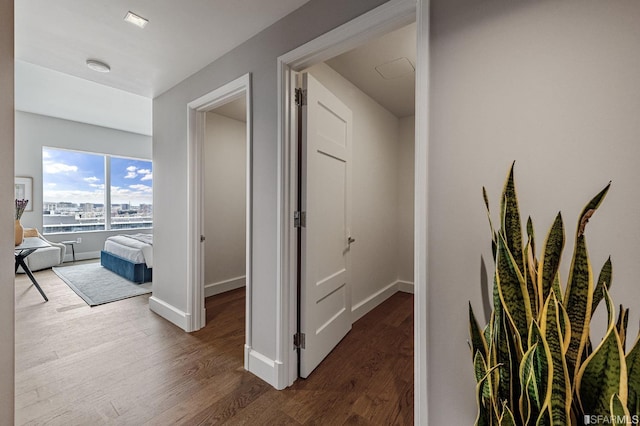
(299, 219)
(299, 341)
(301, 97)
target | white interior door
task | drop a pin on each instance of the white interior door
(326, 198)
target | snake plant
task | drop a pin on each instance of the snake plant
(534, 362)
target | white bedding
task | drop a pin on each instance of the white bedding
(137, 248)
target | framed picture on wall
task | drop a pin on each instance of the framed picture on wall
(24, 191)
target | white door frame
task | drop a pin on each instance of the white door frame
(387, 17)
(196, 110)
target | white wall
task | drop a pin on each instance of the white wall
(405, 205)
(33, 131)
(375, 176)
(258, 56)
(554, 86)
(225, 157)
(6, 215)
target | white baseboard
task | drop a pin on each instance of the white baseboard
(362, 308)
(170, 313)
(85, 255)
(264, 367)
(365, 306)
(405, 286)
(223, 286)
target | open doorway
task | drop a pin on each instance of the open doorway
(355, 170)
(220, 186)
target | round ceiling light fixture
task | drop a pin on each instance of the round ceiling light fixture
(98, 65)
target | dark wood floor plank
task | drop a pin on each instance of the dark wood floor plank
(121, 364)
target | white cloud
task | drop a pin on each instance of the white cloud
(51, 184)
(54, 168)
(132, 168)
(45, 154)
(131, 175)
(141, 188)
(148, 176)
(97, 185)
(144, 171)
(92, 179)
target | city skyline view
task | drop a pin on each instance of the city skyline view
(79, 178)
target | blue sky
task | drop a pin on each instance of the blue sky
(78, 177)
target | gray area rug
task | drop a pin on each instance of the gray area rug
(97, 285)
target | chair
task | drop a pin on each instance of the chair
(46, 257)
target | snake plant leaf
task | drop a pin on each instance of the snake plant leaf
(565, 326)
(590, 209)
(560, 396)
(621, 326)
(512, 290)
(544, 419)
(604, 280)
(485, 411)
(507, 418)
(542, 366)
(633, 377)
(510, 220)
(603, 374)
(530, 399)
(556, 287)
(480, 368)
(619, 412)
(551, 256)
(531, 234)
(477, 337)
(494, 234)
(531, 270)
(577, 300)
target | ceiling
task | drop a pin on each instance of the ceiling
(236, 110)
(394, 54)
(180, 39)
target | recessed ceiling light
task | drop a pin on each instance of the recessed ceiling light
(98, 65)
(136, 20)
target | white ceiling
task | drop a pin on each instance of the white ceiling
(397, 95)
(181, 38)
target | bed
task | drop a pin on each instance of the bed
(130, 256)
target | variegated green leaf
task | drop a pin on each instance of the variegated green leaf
(603, 374)
(590, 209)
(480, 368)
(512, 289)
(530, 275)
(577, 300)
(619, 412)
(633, 378)
(507, 418)
(604, 280)
(560, 401)
(531, 234)
(542, 366)
(551, 256)
(621, 326)
(477, 337)
(485, 411)
(556, 287)
(530, 399)
(510, 215)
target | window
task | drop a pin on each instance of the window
(78, 185)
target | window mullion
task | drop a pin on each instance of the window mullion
(107, 192)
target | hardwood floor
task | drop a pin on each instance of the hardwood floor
(121, 364)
